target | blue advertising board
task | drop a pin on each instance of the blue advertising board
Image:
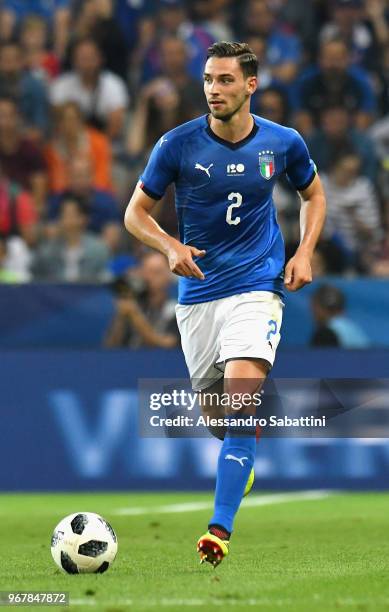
(70, 421)
(78, 316)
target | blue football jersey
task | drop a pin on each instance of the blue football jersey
(224, 202)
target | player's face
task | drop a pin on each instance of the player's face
(225, 87)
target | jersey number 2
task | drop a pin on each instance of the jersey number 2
(236, 199)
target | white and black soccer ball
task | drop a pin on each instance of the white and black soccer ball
(84, 543)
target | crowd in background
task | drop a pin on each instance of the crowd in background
(88, 86)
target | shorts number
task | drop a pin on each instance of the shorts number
(236, 199)
(273, 328)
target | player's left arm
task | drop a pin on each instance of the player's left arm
(298, 270)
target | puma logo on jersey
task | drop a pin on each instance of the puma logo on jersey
(238, 459)
(206, 170)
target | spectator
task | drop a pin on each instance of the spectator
(157, 111)
(381, 78)
(15, 260)
(332, 257)
(145, 315)
(272, 104)
(39, 61)
(6, 275)
(283, 48)
(353, 218)
(265, 76)
(18, 216)
(347, 23)
(74, 139)
(299, 15)
(28, 91)
(101, 94)
(95, 19)
(376, 12)
(212, 16)
(172, 21)
(136, 21)
(336, 133)
(379, 132)
(380, 267)
(318, 263)
(56, 13)
(21, 159)
(74, 255)
(166, 101)
(103, 209)
(333, 326)
(333, 83)
(173, 54)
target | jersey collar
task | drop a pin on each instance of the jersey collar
(228, 143)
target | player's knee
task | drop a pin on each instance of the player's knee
(214, 427)
(217, 432)
(212, 409)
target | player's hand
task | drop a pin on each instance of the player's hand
(298, 272)
(180, 257)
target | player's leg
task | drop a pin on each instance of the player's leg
(201, 348)
(243, 378)
(212, 407)
(199, 326)
(248, 339)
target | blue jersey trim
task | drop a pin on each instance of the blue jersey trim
(307, 183)
(151, 194)
(228, 143)
(275, 286)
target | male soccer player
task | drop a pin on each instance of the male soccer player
(230, 256)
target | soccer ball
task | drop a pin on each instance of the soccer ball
(84, 543)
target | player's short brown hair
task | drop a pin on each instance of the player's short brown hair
(246, 57)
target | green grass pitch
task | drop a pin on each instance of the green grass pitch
(324, 554)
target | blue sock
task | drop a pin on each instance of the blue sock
(235, 461)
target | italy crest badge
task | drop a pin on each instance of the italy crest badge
(266, 164)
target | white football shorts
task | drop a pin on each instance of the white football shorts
(246, 325)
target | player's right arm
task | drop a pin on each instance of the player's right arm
(139, 222)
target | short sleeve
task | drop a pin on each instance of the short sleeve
(161, 170)
(300, 169)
